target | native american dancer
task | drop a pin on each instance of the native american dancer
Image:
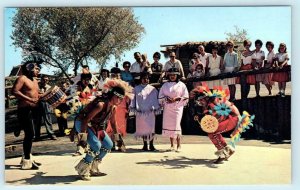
(79, 96)
(219, 116)
(145, 106)
(101, 110)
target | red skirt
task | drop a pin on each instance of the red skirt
(250, 78)
(280, 77)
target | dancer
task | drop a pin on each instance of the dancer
(98, 113)
(173, 96)
(145, 105)
(121, 112)
(219, 116)
(26, 90)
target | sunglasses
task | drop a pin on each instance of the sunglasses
(172, 56)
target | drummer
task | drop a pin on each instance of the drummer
(45, 112)
(226, 121)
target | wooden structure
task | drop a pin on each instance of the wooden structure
(184, 51)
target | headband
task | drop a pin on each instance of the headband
(118, 94)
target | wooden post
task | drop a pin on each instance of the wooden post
(243, 81)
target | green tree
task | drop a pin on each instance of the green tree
(65, 37)
(238, 36)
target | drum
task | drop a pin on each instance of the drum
(209, 124)
(54, 96)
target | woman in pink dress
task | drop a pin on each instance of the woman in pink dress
(173, 95)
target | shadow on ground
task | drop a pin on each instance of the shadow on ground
(39, 179)
(181, 162)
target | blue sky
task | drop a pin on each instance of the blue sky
(168, 25)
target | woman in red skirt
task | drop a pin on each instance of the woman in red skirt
(281, 61)
(246, 64)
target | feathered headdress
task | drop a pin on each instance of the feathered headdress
(111, 83)
(204, 91)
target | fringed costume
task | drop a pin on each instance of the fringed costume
(98, 140)
(145, 106)
(223, 117)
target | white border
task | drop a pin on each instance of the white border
(78, 3)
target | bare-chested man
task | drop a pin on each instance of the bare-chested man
(26, 90)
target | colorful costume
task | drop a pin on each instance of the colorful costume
(121, 111)
(98, 147)
(98, 140)
(173, 111)
(227, 116)
(145, 105)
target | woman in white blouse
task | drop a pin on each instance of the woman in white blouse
(281, 61)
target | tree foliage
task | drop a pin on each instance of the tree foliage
(65, 37)
(238, 36)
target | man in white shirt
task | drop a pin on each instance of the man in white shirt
(203, 57)
(137, 67)
(173, 63)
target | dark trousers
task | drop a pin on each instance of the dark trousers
(27, 117)
(62, 125)
(44, 114)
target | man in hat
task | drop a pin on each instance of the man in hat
(173, 63)
(26, 90)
